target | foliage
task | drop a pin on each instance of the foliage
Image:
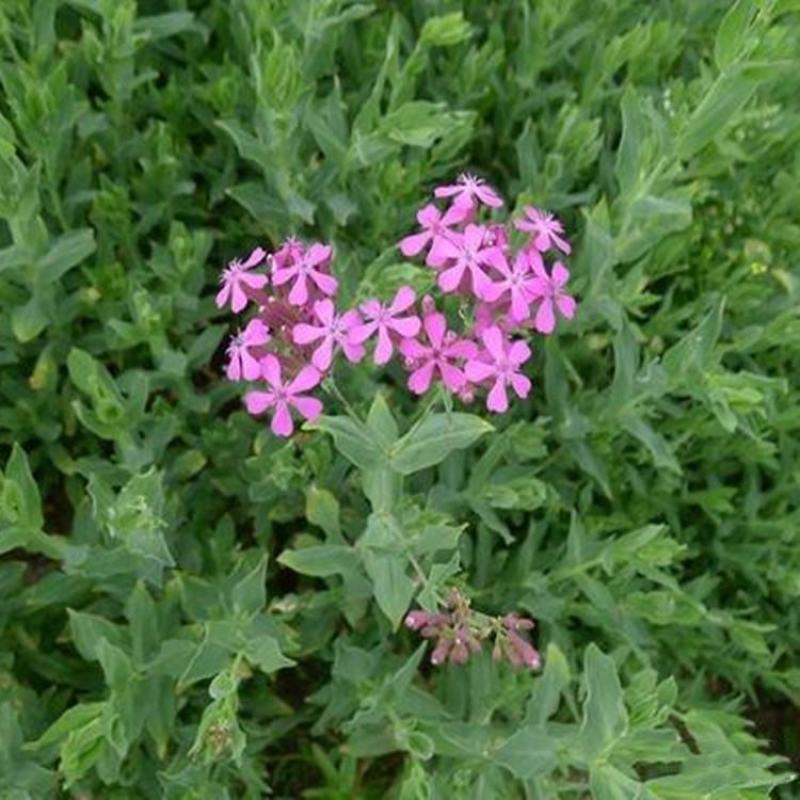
(192, 608)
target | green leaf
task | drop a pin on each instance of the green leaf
(383, 554)
(438, 435)
(322, 509)
(89, 631)
(322, 561)
(727, 96)
(549, 687)
(608, 783)
(66, 252)
(353, 440)
(732, 33)
(20, 501)
(29, 320)
(249, 595)
(605, 719)
(530, 752)
(381, 422)
(264, 652)
(445, 31)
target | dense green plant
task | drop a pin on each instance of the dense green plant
(192, 608)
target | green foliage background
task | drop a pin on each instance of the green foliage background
(190, 608)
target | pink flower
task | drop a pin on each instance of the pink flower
(547, 229)
(438, 355)
(288, 253)
(469, 254)
(282, 397)
(516, 284)
(385, 321)
(549, 290)
(302, 269)
(500, 363)
(241, 362)
(468, 192)
(235, 281)
(434, 226)
(334, 329)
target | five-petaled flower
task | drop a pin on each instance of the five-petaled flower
(385, 321)
(438, 355)
(467, 192)
(283, 396)
(435, 226)
(516, 284)
(469, 255)
(241, 362)
(547, 228)
(499, 364)
(236, 280)
(333, 329)
(304, 268)
(549, 291)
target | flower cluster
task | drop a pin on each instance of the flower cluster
(503, 292)
(459, 631)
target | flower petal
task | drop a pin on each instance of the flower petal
(303, 333)
(497, 400)
(521, 384)
(411, 245)
(251, 369)
(545, 321)
(298, 296)
(258, 402)
(309, 407)
(519, 353)
(566, 305)
(494, 342)
(435, 327)
(405, 326)
(383, 350)
(234, 368)
(306, 379)
(282, 424)
(450, 278)
(256, 257)
(560, 274)
(271, 370)
(325, 311)
(323, 355)
(360, 333)
(452, 377)
(478, 371)
(420, 380)
(403, 300)
(327, 284)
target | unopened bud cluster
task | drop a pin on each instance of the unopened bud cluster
(458, 632)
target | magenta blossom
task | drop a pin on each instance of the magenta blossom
(434, 226)
(236, 280)
(241, 362)
(516, 284)
(549, 291)
(385, 321)
(469, 255)
(307, 267)
(282, 396)
(288, 253)
(334, 329)
(438, 355)
(500, 363)
(468, 191)
(547, 228)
